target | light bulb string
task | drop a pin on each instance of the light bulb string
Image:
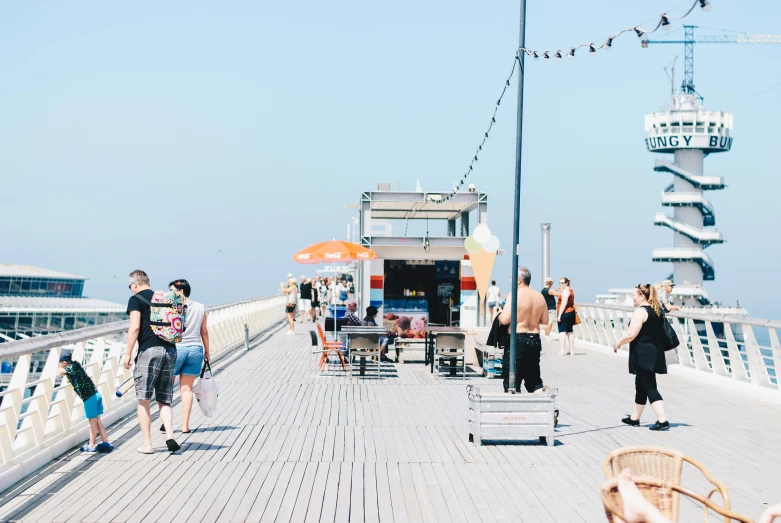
(662, 20)
(608, 42)
(456, 186)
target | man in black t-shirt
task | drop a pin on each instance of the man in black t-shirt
(154, 365)
(306, 299)
(550, 301)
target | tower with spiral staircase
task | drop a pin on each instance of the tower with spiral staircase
(690, 133)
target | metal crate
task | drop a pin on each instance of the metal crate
(502, 416)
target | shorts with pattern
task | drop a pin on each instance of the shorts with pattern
(154, 374)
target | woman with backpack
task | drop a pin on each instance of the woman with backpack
(191, 352)
(646, 354)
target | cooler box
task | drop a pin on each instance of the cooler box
(340, 311)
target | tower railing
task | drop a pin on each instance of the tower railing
(742, 349)
(36, 428)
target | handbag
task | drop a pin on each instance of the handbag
(577, 317)
(206, 391)
(669, 336)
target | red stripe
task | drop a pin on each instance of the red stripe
(468, 283)
(375, 282)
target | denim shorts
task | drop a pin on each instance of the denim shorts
(189, 360)
(93, 406)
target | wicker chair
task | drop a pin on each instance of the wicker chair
(663, 464)
(660, 494)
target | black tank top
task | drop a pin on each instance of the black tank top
(646, 351)
(651, 330)
(550, 300)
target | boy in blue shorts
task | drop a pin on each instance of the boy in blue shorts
(93, 401)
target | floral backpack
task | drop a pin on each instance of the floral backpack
(166, 315)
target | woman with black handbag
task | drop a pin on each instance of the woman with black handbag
(646, 354)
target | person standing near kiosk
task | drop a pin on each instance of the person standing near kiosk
(532, 312)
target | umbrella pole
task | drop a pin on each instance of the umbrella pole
(334, 300)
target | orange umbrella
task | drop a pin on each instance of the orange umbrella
(335, 251)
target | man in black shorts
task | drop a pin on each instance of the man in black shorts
(154, 366)
(532, 312)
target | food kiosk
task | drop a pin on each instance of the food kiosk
(418, 280)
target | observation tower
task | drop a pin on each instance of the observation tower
(690, 133)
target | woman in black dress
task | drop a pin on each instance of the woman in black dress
(646, 355)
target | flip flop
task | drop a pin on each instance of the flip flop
(172, 445)
(141, 450)
(188, 431)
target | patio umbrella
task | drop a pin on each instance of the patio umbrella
(334, 251)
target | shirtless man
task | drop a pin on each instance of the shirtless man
(532, 312)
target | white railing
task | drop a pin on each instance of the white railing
(38, 428)
(743, 349)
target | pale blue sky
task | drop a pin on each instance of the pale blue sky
(211, 140)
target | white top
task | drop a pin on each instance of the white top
(337, 292)
(193, 319)
(493, 294)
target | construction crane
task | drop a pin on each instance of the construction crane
(687, 87)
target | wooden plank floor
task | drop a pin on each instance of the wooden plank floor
(287, 445)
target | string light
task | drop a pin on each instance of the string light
(662, 21)
(457, 186)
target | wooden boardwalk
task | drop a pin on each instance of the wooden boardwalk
(290, 446)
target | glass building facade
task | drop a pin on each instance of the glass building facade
(14, 324)
(34, 304)
(32, 286)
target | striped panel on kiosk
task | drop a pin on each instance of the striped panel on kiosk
(468, 305)
(376, 283)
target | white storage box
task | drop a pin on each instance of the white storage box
(502, 416)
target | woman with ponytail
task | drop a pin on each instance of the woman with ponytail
(646, 355)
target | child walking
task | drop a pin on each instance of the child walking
(93, 401)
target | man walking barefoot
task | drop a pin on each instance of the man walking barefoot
(532, 312)
(154, 366)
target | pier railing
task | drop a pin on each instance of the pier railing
(36, 428)
(743, 349)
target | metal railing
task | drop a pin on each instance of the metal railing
(744, 349)
(36, 428)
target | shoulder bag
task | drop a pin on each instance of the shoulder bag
(669, 337)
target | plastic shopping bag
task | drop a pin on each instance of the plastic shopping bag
(205, 391)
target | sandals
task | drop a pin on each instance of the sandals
(172, 445)
(141, 450)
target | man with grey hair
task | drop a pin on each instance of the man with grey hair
(532, 312)
(350, 317)
(153, 372)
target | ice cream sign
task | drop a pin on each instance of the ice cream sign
(482, 247)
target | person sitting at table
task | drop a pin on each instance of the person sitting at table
(350, 318)
(371, 321)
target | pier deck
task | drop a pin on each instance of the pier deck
(287, 445)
